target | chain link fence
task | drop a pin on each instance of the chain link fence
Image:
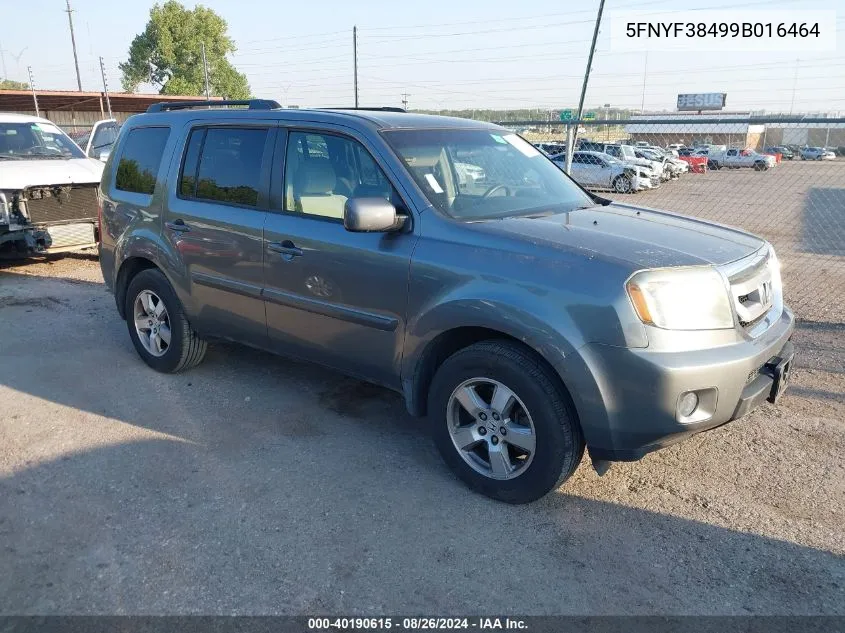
(780, 178)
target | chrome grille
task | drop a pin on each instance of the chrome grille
(755, 288)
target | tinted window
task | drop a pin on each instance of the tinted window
(140, 160)
(229, 165)
(188, 175)
(323, 171)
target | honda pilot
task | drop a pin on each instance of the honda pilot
(524, 318)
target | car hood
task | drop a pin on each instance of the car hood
(637, 163)
(20, 174)
(647, 238)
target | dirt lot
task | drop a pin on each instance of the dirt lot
(257, 485)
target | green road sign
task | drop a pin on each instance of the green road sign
(590, 116)
(566, 115)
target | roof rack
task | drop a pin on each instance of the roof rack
(376, 109)
(252, 104)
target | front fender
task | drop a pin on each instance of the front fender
(554, 336)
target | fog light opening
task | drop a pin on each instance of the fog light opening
(688, 404)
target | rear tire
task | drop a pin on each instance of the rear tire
(537, 402)
(157, 325)
(760, 166)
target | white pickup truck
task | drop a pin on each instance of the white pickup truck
(735, 158)
(48, 189)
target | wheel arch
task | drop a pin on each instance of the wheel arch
(129, 268)
(433, 353)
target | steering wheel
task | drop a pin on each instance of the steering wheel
(494, 189)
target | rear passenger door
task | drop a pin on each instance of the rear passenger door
(214, 224)
(333, 296)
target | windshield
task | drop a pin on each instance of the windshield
(35, 141)
(482, 174)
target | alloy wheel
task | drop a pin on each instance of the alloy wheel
(491, 428)
(152, 323)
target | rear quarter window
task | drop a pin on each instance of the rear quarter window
(140, 159)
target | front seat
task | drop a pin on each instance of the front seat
(314, 187)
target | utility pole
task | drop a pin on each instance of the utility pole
(355, 60)
(405, 96)
(205, 72)
(105, 87)
(574, 135)
(69, 11)
(607, 118)
(3, 60)
(645, 72)
(32, 86)
(794, 85)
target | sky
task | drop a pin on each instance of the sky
(443, 54)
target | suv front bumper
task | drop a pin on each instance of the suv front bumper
(640, 390)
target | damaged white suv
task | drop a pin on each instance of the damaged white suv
(48, 189)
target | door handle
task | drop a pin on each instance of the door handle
(286, 249)
(178, 225)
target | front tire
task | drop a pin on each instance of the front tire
(157, 325)
(503, 423)
(622, 184)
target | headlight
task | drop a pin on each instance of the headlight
(681, 299)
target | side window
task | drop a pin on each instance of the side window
(139, 163)
(223, 165)
(188, 174)
(323, 171)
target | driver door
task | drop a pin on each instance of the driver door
(333, 296)
(102, 138)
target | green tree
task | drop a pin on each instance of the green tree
(9, 84)
(169, 54)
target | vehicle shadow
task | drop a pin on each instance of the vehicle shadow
(823, 223)
(255, 484)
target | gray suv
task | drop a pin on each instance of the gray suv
(526, 318)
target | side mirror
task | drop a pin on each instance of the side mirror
(371, 215)
(104, 155)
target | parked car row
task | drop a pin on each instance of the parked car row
(618, 167)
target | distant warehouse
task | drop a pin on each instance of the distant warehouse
(732, 129)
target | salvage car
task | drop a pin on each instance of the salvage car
(597, 171)
(48, 189)
(524, 317)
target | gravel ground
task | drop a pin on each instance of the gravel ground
(254, 484)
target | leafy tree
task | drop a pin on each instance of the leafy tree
(9, 84)
(169, 54)
(130, 177)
